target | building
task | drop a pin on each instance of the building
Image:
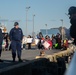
(64, 32)
(49, 31)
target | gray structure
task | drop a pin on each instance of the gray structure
(49, 31)
(55, 31)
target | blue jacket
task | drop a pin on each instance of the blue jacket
(1, 37)
(16, 34)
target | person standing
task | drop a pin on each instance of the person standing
(24, 41)
(16, 36)
(1, 40)
(72, 13)
(29, 43)
(6, 40)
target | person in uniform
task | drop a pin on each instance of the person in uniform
(1, 40)
(16, 36)
(72, 13)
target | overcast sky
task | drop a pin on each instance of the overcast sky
(48, 12)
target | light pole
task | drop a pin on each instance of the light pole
(27, 8)
(46, 28)
(33, 24)
(62, 29)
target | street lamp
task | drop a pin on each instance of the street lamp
(46, 28)
(62, 29)
(27, 8)
(33, 23)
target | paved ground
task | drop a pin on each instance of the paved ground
(27, 55)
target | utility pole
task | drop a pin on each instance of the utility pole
(27, 8)
(62, 30)
(46, 28)
(33, 25)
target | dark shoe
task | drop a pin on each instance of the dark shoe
(20, 60)
(13, 59)
(1, 60)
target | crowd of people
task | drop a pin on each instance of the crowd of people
(16, 41)
(47, 42)
(54, 42)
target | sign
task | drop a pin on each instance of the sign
(29, 40)
(46, 44)
(36, 41)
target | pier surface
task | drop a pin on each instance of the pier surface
(27, 55)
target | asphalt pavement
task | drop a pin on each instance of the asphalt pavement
(27, 55)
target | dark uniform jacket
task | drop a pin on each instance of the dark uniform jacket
(1, 37)
(16, 34)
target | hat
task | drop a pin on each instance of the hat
(16, 23)
(72, 10)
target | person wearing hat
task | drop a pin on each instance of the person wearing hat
(1, 40)
(72, 17)
(72, 66)
(16, 36)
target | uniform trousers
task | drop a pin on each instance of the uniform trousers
(16, 46)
